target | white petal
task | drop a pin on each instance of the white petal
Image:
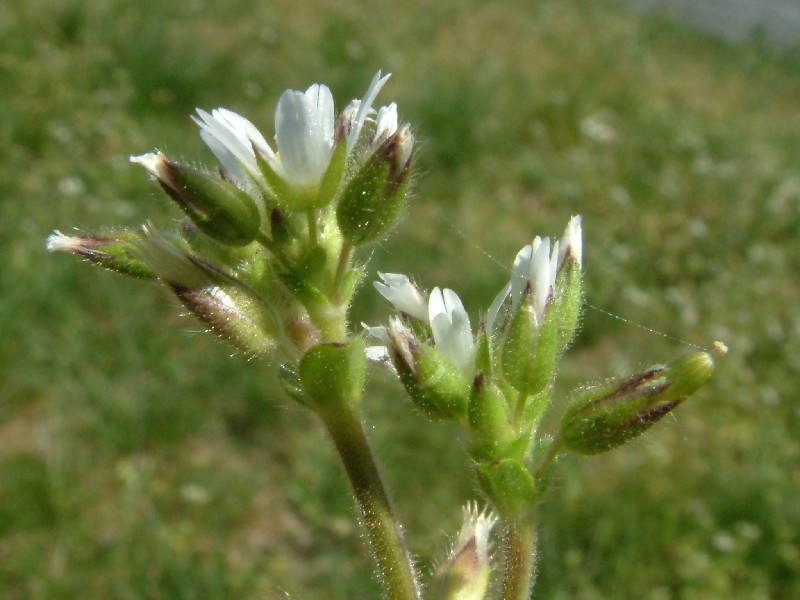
(520, 272)
(231, 137)
(403, 294)
(364, 107)
(451, 329)
(572, 242)
(304, 124)
(494, 309)
(540, 278)
(385, 124)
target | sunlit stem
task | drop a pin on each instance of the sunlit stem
(386, 540)
(552, 453)
(341, 267)
(519, 549)
(311, 214)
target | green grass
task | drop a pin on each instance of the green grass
(139, 459)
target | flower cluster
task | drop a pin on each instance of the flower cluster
(497, 381)
(264, 254)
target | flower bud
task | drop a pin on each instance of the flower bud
(112, 250)
(601, 418)
(464, 572)
(568, 292)
(332, 375)
(218, 208)
(488, 421)
(436, 386)
(226, 305)
(530, 347)
(371, 202)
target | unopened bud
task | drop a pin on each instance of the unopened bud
(218, 208)
(568, 294)
(601, 418)
(488, 421)
(464, 572)
(371, 202)
(113, 250)
(223, 303)
(530, 347)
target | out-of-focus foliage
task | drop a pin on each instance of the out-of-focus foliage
(138, 459)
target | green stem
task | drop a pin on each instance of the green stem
(311, 214)
(552, 453)
(519, 548)
(383, 531)
(341, 267)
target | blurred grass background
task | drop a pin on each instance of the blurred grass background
(139, 459)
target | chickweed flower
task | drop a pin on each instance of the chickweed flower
(436, 371)
(464, 572)
(404, 295)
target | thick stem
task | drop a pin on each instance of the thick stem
(519, 548)
(383, 531)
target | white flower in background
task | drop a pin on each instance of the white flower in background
(452, 333)
(403, 294)
(537, 266)
(304, 135)
(443, 313)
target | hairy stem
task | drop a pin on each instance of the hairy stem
(386, 540)
(519, 548)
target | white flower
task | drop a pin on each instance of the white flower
(452, 333)
(537, 266)
(443, 313)
(403, 294)
(304, 135)
(232, 139)
(304, 124)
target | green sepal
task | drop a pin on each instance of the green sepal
(372, 201)
(483, 353)
(308, 294)
(535, 407)
(113, 250)
(207, 246)
(569, 300)
(236, 319)
(509, 486)
(530, 352)
(332, 178)
(281, 192)
(435, 385)
(332, 375)
(488, 421)
(291, 384)
(218, 208)
(603, 417)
